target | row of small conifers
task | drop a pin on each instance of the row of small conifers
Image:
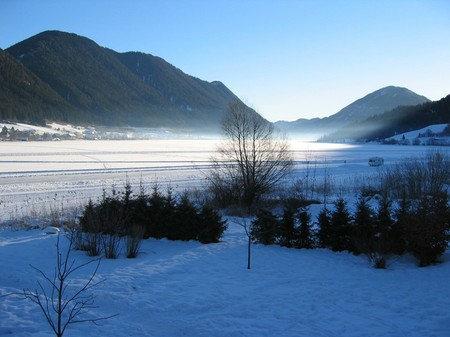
(122, 217)
(417, 226)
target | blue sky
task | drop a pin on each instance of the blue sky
(287, 59)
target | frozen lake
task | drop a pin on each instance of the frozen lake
(50, 176)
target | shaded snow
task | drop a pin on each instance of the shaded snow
(190, 289)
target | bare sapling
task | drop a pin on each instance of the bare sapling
(248, 232)
(61, 303)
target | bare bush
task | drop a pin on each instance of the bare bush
(134, 240)
(111, 245)
(417, 177)
(93, 244)
(63, 305)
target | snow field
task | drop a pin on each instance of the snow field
(47, 178)
(190, 289)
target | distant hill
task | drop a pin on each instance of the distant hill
(399, 120)
(86, 83)
(375, 103)
(371, 105)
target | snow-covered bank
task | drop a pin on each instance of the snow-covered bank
(189, 289)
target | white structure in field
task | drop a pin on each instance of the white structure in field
(51, 230)
(376, 161)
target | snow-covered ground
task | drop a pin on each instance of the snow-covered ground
(190, 289)
(435, 129)
(49, 177)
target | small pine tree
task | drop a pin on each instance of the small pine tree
(88, 221)
(185, 222)
(159, 208)
(364, 232)
(390, 236)
(264, 228)
(211, 227)
(425, 234)
(324, 224)
(305, 237)
(341, 227)
(287, 232)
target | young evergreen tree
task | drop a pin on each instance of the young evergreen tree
(390, 235)
(364, 233)
(138, 214)
(426, 236)
(341, 228)
(212, 226)
(287, 231)
(305, 237)
(264, 228)
(324, 232)
(158, 210)
(185, 222)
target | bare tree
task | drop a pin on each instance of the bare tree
(248, 232)
(252, 159)
(61, 305)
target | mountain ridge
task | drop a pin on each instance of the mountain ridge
(377, 102)
(370, 105)
(64, 77)
(399, 120)
(100, 85)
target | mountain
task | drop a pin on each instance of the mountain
(371, 105)
(399, 120)
(375, 103)
(98, 85)
(25, 97)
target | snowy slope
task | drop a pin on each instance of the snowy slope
(435, 129)
(189, 289)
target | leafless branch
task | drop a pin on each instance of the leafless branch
(60, 306)
(253, 158)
